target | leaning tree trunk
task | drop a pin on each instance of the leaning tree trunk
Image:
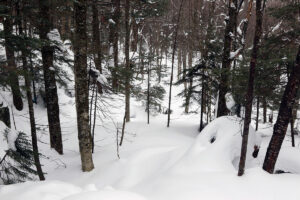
(285, 112)
(127, 61)
(36, 155)
(33, 130)
(293, 118)
(81, 85)
(11, 64)
(173, 57)
(226, 61)
(49, 78)
(249, 95)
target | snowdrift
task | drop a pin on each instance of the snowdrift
(288, 160)
(218, 146)
(57, 190)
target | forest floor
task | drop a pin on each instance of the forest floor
(156, 162)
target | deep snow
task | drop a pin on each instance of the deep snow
(156, 162)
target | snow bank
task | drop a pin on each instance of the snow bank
(58, 190)
(218, 146)
(48, 190)
(106, 194)
(288, 160)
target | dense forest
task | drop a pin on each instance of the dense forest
(141, 94)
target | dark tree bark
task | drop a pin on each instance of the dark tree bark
(292, 131)
(249, 94)
(11, 64)
(116, 18)
(97, 42)
(189, 90)
(33, 129)
(135, 38)
(49, 78)
(257, 114)
(173, 58)
(96, 37)
(293, 118)
(184, 57)
(127, 61)
(265, 109)
(285, 111)
(81, 85)
(148, 95)
(202, 103)
(179, 57)
(226, 61)
(271, 117)
(29, 100)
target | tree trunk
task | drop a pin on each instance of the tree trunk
(30, 102)
(81, 85)
(148, 95)
(257, 114)
(179, 63)
(96, 37)
(97, 43)
(271, 117)
(285, 111)
(173, 57)
(189, 91)
(226, 61)
(33, 130)
(249, 95)
(31, 117)
(127, 61)
(202, 103)
(11, 64)
(183, 72)
(49, 78)
(116, 19)
(292, 131)
(265, 109)
(135, 35)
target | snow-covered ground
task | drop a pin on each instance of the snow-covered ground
(156, 162)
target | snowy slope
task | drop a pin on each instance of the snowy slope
(156, 162)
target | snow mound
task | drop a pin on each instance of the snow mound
(47, 190)
(58, 190)
(218, 147)
(288, 160)
(106, 194)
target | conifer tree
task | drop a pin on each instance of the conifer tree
(81, 85)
